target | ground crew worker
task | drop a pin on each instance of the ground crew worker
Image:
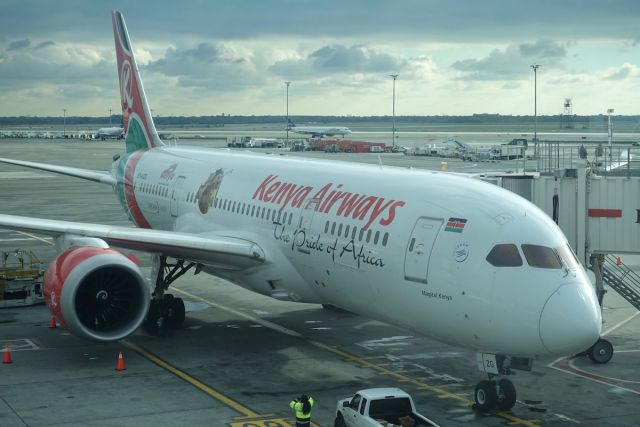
(302, 407)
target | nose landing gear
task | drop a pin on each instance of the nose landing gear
(601, 352)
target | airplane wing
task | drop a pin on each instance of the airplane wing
(91, 175)
(218, 251)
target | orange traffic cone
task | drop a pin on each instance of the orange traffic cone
(7, 356)
(618, 261)
(52, 323)
(120, 365)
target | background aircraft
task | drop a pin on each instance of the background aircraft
(110, 132)
(319, 131)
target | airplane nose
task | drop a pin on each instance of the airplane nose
(570, 321)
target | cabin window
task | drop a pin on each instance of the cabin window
(385, 238)
(368, 235)
(346, 231)
(333, 228)
(326, 227)
(353, 232)
(541, 256)
(290, 215)
(263, 211)
(339, 230)
(273, 216)
(253, 210)
(505, 255)
(361, 234)
(233, 208)
(376, 237)
(279, 215)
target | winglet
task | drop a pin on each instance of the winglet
(136, 116)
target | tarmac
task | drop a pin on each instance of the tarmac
(241, 357)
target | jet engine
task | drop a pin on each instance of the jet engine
(97, 293)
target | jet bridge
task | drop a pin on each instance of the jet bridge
(594, 197)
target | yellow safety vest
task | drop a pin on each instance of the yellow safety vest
(297, 407)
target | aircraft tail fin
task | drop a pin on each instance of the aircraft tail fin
(140, 132)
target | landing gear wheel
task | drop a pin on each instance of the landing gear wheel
(175, 313)
(485, 395)
(339, 421)
(151, 324)
(601, 352)
(506, 395)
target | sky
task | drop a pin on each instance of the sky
(200, 57)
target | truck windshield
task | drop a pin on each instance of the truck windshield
(384, 408)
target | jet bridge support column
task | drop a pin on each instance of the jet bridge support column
(597, 261)
(581, 211)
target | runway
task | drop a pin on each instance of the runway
(241, 357)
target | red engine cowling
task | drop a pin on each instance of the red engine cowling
(97, 293)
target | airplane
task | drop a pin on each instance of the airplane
(444, 255)
(110, 132)
(318, 131)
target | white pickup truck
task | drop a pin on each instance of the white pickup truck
(376, 407)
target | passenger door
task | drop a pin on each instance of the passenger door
(305, 222)
(419, 247)
(175, 194)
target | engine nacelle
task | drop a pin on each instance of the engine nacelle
(97, 293)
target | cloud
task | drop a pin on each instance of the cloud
(18, 45)
(512, 63)
(45, 44)
(543, 49)
(336, 59)
(622, 72)
(208, 65)
(50, 63)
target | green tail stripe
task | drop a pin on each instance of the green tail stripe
(135, 137)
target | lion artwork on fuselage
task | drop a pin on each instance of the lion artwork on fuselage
(208, 190)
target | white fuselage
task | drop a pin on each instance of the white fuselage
(403, 246)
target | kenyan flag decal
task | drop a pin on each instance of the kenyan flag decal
(455, 225)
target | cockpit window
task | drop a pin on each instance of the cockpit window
(568, 257)
(541, 256)
(505, 255)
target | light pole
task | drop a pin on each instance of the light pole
(287, 83)
(64, 122)
(393, 130)
(610, 128)
(109, 116)
(535, 104)
(610, 134)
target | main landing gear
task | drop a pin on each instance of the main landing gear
(166, 310)
(497, 392)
